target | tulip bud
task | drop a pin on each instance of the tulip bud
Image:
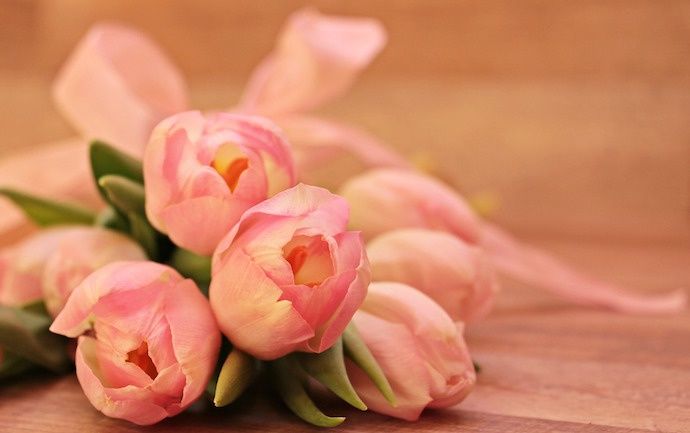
(387, 199)
(418, 346)
(51, 262)
(236, 374)
(148, 342)
(458, 276)
(81, 252)
(21, 267)
(202, 172)
(288, 277)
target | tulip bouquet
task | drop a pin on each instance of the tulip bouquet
(220, 253)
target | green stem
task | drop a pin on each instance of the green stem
(290, 381)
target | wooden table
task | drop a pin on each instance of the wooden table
(546, 367)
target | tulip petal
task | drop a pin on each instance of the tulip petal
(317, 304)
(196, 213)
(452, 371)
(399, 303)
(320, 212)
(275, 150)
(350, 256)
(196, 347)
(60, 256)
(136, 410)
(318, 207)
(111, 279)
(17, 287)
(117, 85)
(169, 155)
(456, 275)
(50, 263)
(249, 311)
(394, 348)
(386, 199)
(316, 59)
(114, 371)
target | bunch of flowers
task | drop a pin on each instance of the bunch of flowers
(220, 255)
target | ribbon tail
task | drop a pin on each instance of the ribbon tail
(533, 266)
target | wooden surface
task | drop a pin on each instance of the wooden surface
(574, 114)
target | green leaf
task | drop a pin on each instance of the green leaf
(192, 265)
(290, 380)
(12, 365)
(144, 234)
(127, 197)
(124, 194)
(36, 307)
(236, 374)
(359, 353)
(26, 334)
(112, 219)
(328, 368)
(106, 160)
(46, 212)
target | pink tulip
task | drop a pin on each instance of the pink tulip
(418, 346)
(51, 262)
(116, 85)
(315, 59)
(81, 252)
(148, 342)
(458, 276)
(388, 199)
(202, 172)
(288, 277)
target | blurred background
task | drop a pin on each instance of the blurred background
(574, 115)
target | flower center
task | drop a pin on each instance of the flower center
(140, 357)
(309, 258)
(230, 163)
(296, 258)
